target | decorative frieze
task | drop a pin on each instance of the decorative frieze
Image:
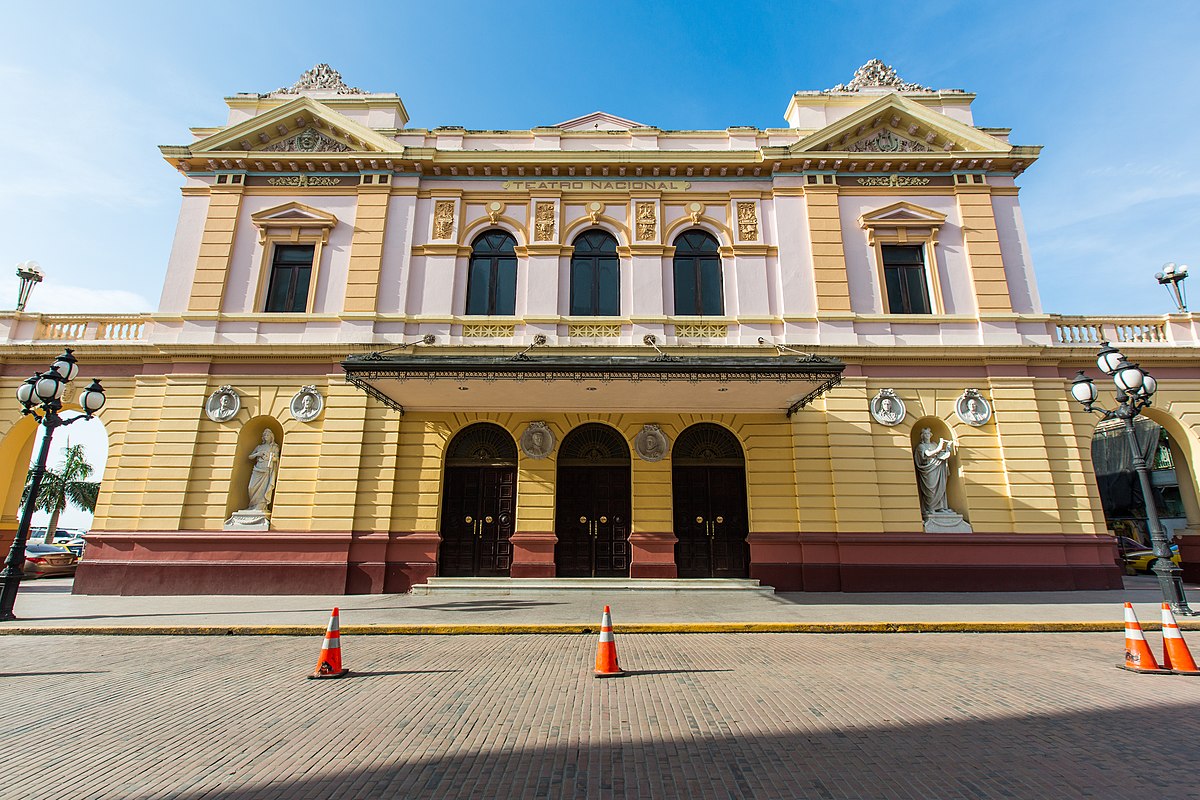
(893, 180)
(594, 331)
(488, 330)
(443, 219)
(701, 330)
(543, 222)
(304, 180)
(647, 222)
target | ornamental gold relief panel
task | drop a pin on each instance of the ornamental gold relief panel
(746, 220)
(445, 215)
(545, 221)
(645, 221)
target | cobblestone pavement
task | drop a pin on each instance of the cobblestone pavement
(714, 715)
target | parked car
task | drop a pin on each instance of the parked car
(1127, 545)
(75, 544)
(42, 560)
(1143, 560)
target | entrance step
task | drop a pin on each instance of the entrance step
(508, 586)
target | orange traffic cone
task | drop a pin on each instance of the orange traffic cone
(606, 650)
(1176, 656)
(1138, 657)
(329, 663)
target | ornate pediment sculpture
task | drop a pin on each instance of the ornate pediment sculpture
(321, 78)
(877, 75)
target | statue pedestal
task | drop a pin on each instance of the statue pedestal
(946, 522)
(248, 520)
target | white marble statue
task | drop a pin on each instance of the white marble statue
(933, 468)
(262, 477)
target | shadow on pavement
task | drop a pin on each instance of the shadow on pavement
(1066, 756)
(487, 605)
(1138, 589)
(42, 674)
(354, 673)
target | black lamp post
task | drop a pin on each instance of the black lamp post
(1172, 278)
(28, 274)
(1135, 388)
(40, 396)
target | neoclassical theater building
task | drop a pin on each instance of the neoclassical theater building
(812, 355)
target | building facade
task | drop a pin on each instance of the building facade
(598, 348)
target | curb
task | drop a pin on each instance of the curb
(650, 627)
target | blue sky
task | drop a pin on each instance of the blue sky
(1110, 92)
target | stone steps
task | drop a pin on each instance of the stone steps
(508, 586)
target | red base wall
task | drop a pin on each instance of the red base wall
(194, 562)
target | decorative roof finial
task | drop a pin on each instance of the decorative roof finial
(876, 75)
(321, 78)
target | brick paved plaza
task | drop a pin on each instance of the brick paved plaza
(719, 715)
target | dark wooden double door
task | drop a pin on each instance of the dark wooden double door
(592, 522)
(478, 514)
(710, 522)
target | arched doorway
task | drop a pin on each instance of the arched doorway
(479, 501)
(708, 480)
(593, 499)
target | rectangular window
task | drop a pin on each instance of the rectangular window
(905, 279)
(291, 270)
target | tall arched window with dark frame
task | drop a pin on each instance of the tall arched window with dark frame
(595, 275)
(492, 275)
(698, 289)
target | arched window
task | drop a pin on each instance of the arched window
(697, 275)
(595, 276)
(492, 275)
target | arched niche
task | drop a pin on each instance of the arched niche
(249, 437)
(956, 494)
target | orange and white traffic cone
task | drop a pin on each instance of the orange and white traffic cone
(606, 650)
(1176, 656)
(329, 663)
(1138, 657)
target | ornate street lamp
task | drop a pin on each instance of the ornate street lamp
(40, 395)
(28, 274)
(1135, 388)
(1172, 277)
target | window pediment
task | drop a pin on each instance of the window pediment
(902, 222)
(293, 220)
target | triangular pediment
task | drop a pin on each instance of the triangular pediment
(599, 121)
(302, 125)
(294, 214)
(896, 124)
(902, 215)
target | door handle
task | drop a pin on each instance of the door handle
(699, 520)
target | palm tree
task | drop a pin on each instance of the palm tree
(68, 484)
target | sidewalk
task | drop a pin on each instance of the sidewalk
(47, 606)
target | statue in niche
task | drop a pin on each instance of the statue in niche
(262, 476)
(933, 468)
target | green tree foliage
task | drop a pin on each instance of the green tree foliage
(67, 484)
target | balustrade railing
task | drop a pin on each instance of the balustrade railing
(88, 327)
(1122, 330)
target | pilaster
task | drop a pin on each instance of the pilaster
(366, 249)
(828, 249)
(216, 247)
(982, 244)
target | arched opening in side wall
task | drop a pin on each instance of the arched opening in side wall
(16, 449)
(956, 495)
(249, 438)
(1167, 449)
